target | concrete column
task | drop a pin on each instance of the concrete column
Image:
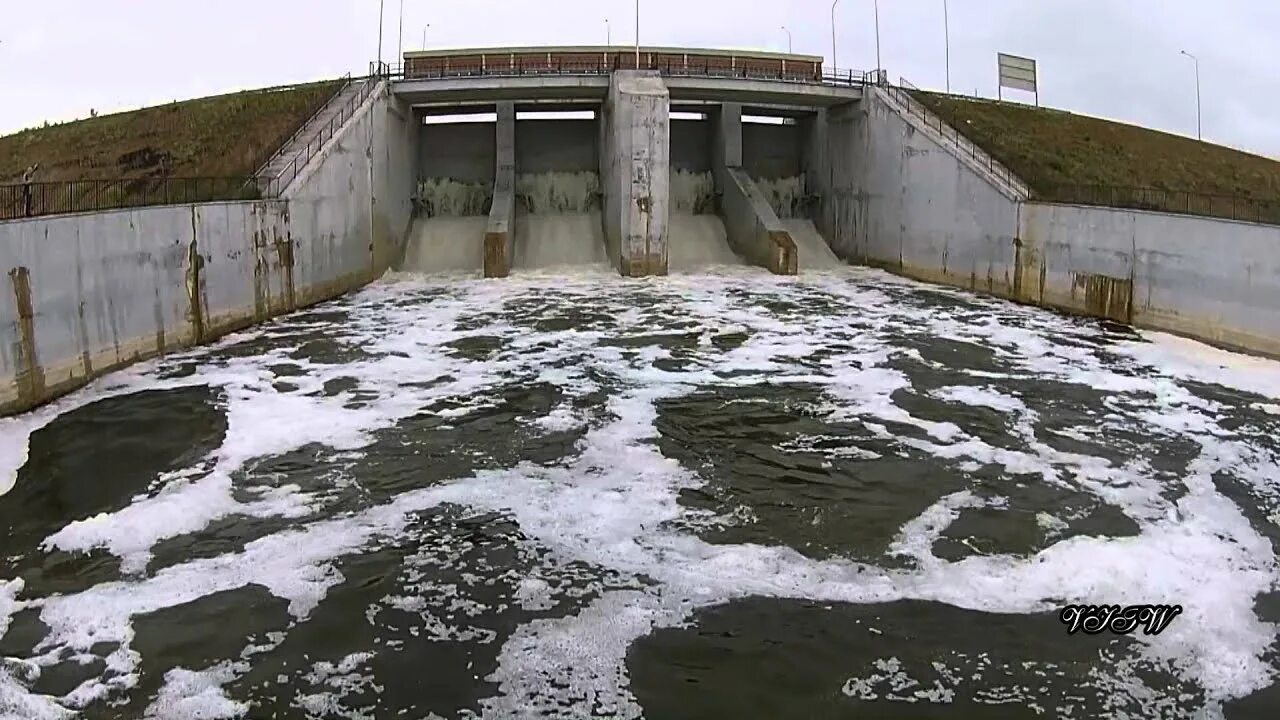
(753, 229)
(499, 234)
(635, 172)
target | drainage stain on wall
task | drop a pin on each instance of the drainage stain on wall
(30, 378)
(1104, 296)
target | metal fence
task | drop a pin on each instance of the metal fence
(26, 200)
(1187, 202)
(285, 141)
(902, 95)
(275, 185)
(707, 69)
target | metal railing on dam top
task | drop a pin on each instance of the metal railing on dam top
(706, 69)
(277, 184)
(1265, 211)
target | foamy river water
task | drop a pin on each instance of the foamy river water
(720, 495)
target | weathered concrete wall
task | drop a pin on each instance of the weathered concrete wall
(91, 292)
(499, 235)
(635, 172)
(544, 146)
(897, 199)
(462, 151)
(691, 146)
(753, 229)
(772, 151)
(1214, 280)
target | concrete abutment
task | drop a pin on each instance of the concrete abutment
(499, 235)
(753, 229)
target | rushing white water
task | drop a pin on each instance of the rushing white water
(696, 236)
(446, 197)
(446, 244)
(785, 195)
(814, 252)
(558, 220)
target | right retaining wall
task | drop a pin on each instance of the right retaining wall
(904, 201)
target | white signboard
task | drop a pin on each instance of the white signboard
(1018, 73)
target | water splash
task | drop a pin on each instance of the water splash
(558, 192)
(692, 193)
(446, 197)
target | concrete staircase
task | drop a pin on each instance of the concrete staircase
(929, 123)
(280, 170)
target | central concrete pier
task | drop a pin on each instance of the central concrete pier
(499, 234)
(635, 139)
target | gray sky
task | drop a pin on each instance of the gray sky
(1113, 58)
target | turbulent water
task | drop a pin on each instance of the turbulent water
(715, 495)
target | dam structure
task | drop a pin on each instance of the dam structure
(603, 382)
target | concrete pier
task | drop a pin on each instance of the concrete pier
(635, 138)
(754, 230)
(499, 235)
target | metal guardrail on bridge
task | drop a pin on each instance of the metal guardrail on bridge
(842, 77)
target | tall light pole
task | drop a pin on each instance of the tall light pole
(381, 3)
(425, 28)
(608, 33)
(637, 34)
(946, 34)
(833, 34)
(1195, 59)
(788, 32)
(878, 66)
(400, 46)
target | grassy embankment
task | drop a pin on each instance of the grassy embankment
(223, 139)
(1074, 158)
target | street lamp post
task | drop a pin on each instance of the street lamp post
(608, 34)
(833, 34)
(637, 34)
(425, 28)
(400, 42)
(1196, 60)
(381, 4)
(877, 7)
(788, 32)
(946, 33)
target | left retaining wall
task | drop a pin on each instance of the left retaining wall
(89, 293)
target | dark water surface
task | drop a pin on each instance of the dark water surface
(735, 495)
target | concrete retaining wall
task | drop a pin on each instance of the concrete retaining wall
(898, 199)
(753, 229)
(499, 235)
(635, 172)
(88, 293)
(1215, 280)
(544, 146)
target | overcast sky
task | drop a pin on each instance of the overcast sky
(1113, 58)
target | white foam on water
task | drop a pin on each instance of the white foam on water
(444, 244)
(615, 505)
(812, 250)
(446, 197)
(692, 193)
(189, 695)
(697, 241)
(1176, 356)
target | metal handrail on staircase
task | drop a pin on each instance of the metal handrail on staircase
(346, 82)
(277, 184)
(901, 95)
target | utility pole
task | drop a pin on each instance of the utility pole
(946, 32)
(1199, 135)
(788, 32)
(878, 65)
(833, 34)
(381, 4)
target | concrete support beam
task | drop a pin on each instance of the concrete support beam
(635, 135)
(499, 235)
(753, 229)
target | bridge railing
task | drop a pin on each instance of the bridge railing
(692, 68)
(27, 200)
